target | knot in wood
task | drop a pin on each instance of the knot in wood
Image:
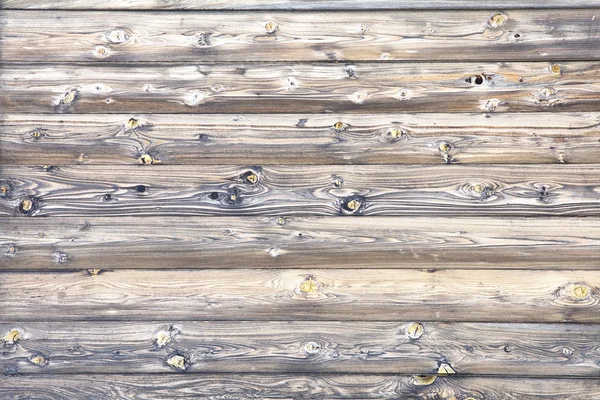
(353, 205)
(132, 123)
(11, 250)
(147, 159)
(5, 189)
(38, 360)
(396, 133)
(445, 369)
(337, 181)
(311, 348)
(27, 206)
(340, 126)
(94, 272)
(178, 362)
(60, 257)
(445, 147)
(309, 286)
(274, 252)
(424, 380)
(37, 134)
(580, 292)
(162, 339)
(117, 36)
(204, 38)
(69, 97)
(414, 330)
(497, 20)
(555, 69)
(250, 177)
(271, 27)
(12, 337)
(547, 92)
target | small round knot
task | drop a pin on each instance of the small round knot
(162, 339)
(555, 69)
(580, 292)
(396, 133)
(445, 147)
(497, 20)
(38, 360)
(132, 123)
(353, 205)
(12, 337)
(101, 51)
(337, 181)
(11, 250)
(179, 362)
(309, 286)
(311, 348)
(27, 206)
(547, 92)
(147, 159)
(271, 27)
(250, 177)
(37, 134)
(340, 126)
(5, 189)
(424, 380)
(117, 36)
(140, 188)
(414, 330)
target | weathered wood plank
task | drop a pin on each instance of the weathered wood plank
(266, 36)
(301, 347)
(323, 242)
(526, 138)
(288, 4)
(301, 88)
(416, 190)
(307, 294)
(279, 386)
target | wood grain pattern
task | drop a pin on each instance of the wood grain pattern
(94, 190)
(307, 294)
(298, 386)
(209, 139)
(323, 242)
(288, 4)
(300, 88)
(548, 35)
(303, 347)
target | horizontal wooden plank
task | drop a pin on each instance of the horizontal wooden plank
(287, 4)
(279, 386)
(526, 138)
(301, 347)
(307, 294)
(267, 36)
(324, 242)
(416, 190)
(301, 88)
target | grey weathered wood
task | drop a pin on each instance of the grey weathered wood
(306, 294)
(525, 138)
(300, 88)
(289, 4)
(280, 386)
(548, 35)
(303, 347)
(327, 242)
(456, 190)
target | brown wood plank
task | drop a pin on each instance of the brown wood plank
(324, 242)
(525, 138)
(288, 4)
(444, 190)
(301, 88)
(307, 294)
(548, 35)
(301, 347)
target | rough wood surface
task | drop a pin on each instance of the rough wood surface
(302, 347)
(301, 88)
(297, 386)
(327, 242)
(307, 294)
(289, 4)
(210, 139)
(359, 36)
(95, 190)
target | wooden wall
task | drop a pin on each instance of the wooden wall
(294, 199)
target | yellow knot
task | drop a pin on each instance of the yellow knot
(94, 272)
(26, 205)
(178, 362)
(581, 292)
(415, 330)
(36, 134)
(162, 339)
(445, 147)
(478, 188)
(445, 369)
(4, 190)
(271, 27)
(13, 336)
(396, 133)
(353, 205)
(69, 97)
(252, 178)
(146, 159)
(38, 360)
(555, 69)
(497, 20)
(339, 126)
(547, 92)
(309, 286)
(132, 124)
(312, 348)
(424, 380)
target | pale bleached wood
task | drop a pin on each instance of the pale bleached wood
(289, 4)
(416, 190)
(548, 35)
(300, 88)
(525, 138)
(328, 242)
(303, 347)
(306, 294)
